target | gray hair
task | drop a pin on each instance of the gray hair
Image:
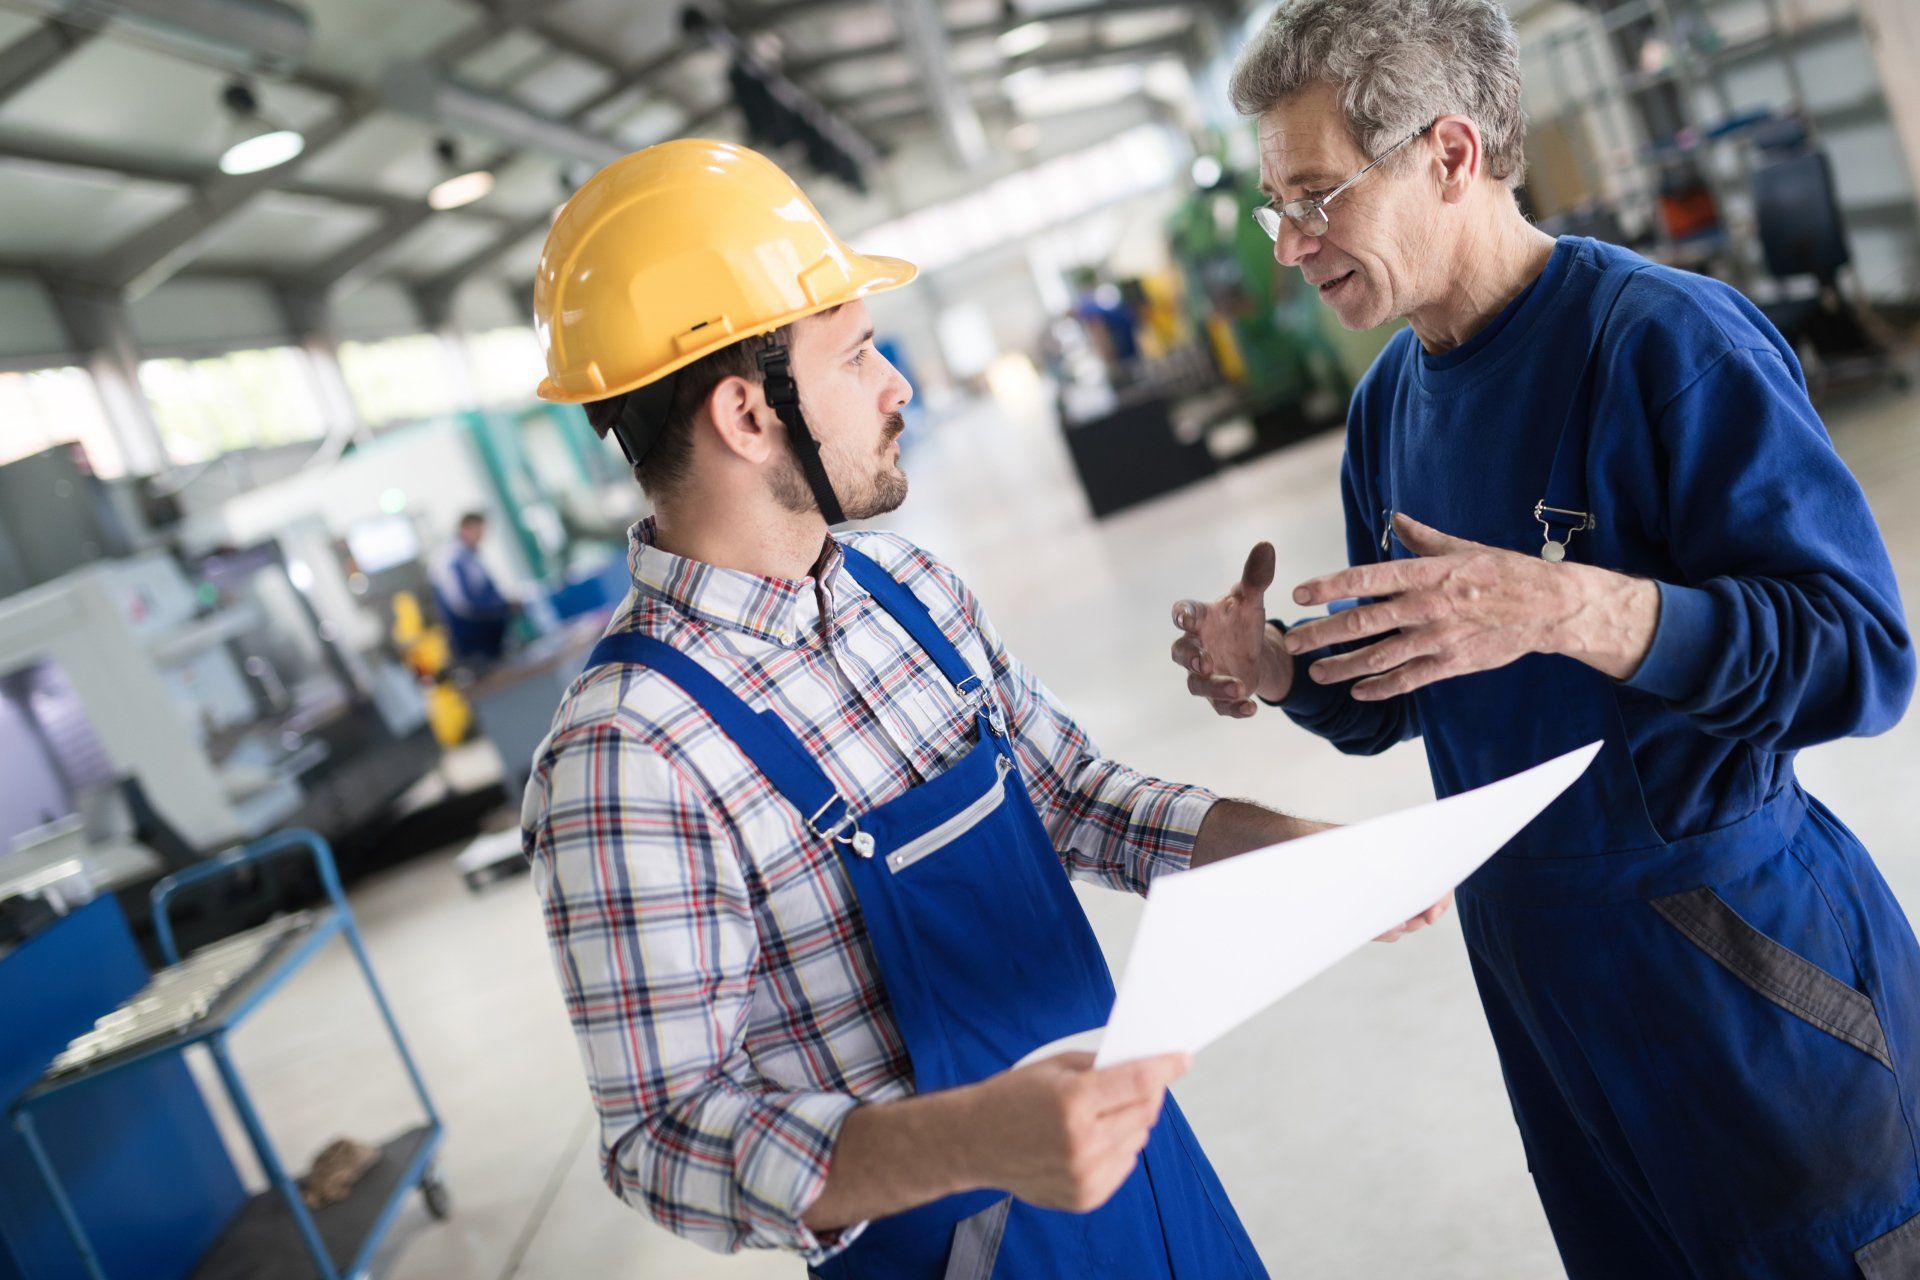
(1398, 65)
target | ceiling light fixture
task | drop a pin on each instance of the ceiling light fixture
(1022, 40)
(254, 143)
(460, 189)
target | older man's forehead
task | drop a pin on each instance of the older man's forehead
(1304, 143)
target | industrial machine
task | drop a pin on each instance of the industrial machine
(154, 712)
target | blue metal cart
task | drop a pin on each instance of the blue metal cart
(201, 1000)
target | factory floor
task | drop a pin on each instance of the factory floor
(1360, 1125)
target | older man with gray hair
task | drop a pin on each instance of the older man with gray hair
(1587, 498)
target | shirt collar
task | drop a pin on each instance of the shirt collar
(782, 610)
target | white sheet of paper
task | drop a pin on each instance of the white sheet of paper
(1220, 943)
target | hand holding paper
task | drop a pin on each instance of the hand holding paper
(1220, 943)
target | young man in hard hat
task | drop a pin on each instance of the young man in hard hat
(804, 828)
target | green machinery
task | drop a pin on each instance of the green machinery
(567, 497)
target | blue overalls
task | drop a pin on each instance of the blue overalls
(1710, 1043)
(985, 955)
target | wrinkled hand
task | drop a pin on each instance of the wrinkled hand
(1225, 647)
(1460, 608)
(1430, 916)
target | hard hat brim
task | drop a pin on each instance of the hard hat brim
(877, 273)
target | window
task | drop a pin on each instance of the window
(53, 406)
(205, 408)
(507, 365)
(1053, 194)
(401, 379)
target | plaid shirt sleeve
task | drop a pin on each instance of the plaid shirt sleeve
(653, 936)
(1111, 824)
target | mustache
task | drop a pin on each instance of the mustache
(895, 425)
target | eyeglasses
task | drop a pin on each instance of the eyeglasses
(1310, 216)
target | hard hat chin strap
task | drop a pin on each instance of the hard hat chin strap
(783, 394)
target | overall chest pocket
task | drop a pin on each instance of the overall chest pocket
(960, 825)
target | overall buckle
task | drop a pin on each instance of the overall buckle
(859, 841)
(1576, 522)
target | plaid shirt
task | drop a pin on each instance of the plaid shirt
(728, 1005)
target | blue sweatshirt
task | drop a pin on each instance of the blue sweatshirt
(1780, 623)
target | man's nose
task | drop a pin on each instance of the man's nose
(1293, 246)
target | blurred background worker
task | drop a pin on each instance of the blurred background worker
(477, 613)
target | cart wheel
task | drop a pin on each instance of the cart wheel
(433, 1193)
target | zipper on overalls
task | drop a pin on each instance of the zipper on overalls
(959, 824)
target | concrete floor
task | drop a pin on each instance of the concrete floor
(1360, 1126)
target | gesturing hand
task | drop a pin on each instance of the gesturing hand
(1226, 648)
(1463, 607)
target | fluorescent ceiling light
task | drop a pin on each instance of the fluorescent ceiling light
(1022, 39)
(461, 190)
(263, 150)
(256, 143)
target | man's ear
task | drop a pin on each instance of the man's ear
(742, 419)
(1455, 141)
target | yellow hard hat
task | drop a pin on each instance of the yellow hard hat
(674, 252)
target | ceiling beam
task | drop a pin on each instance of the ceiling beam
(436, 292)
(806, 68)
(241, 35)
(528, 15)
(38, 52)
(83, 156)
(168, 245)
(925, 35)
(142, 262)
(347, 268)
(986, 89)
(755, 21)
(500, 18)
(1078, 56)
(429, 94)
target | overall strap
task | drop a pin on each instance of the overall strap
(1565, 504)
(913, 616)
(763, 738)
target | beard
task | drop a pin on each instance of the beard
(866, 488)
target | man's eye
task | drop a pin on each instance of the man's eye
(860, 356)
